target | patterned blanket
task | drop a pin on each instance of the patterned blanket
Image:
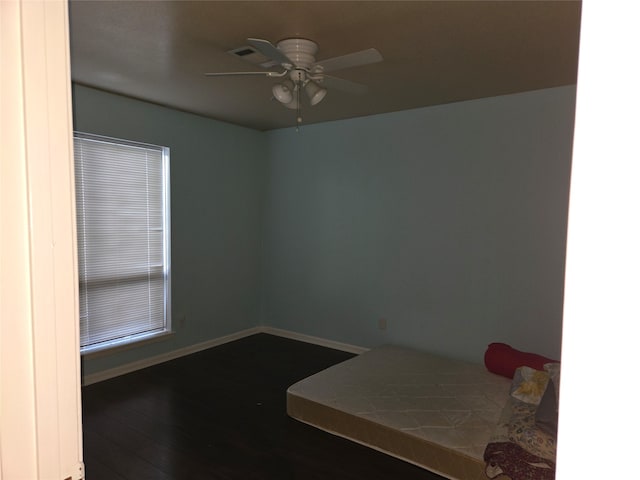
(512, 461)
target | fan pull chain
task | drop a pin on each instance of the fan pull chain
(298, 109)
(298, 114)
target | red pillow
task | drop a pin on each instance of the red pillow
(502, 359)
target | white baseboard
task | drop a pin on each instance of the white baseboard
(345, 347)
(165, 357)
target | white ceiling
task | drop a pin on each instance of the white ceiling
(434, 52)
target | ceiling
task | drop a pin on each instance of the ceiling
(435, 52)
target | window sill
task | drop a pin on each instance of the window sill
(117, 348)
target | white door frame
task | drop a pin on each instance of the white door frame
(40, 407)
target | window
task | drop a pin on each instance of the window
(122, 203)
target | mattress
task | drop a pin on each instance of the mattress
(434, 412)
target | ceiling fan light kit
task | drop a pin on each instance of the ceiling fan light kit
(297, 57)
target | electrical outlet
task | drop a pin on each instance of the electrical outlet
(182, 320)
(382, 324)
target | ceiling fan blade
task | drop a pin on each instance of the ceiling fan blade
(355, 59)
(343, 85)
(229, 74)
(269, 50)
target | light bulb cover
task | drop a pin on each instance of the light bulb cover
(282, 92)
(293, 104)
(314, 92)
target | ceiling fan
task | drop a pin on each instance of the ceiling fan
(300, 71)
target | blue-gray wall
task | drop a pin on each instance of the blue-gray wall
(217, 189)
(449, 222)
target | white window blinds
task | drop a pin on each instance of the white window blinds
(123, 240)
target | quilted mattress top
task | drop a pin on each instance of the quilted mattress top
(448, 402)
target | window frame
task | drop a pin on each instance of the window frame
(143, 337)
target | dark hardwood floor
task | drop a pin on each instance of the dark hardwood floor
(221, 414)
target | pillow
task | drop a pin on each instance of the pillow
(547, 413)
(529, 385)
(502, 359)
(553, 369)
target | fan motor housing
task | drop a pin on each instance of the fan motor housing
(299, 50)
